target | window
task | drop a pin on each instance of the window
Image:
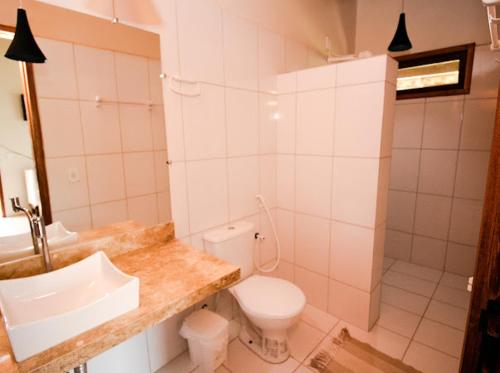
(441, 72)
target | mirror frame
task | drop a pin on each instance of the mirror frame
(30, 101)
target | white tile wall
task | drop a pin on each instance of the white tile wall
(101, 128)
(203, 123)
(139, 173)
(56, 78)
(313, 178)
(442, 124)
(355, 189)
(132, 78)
(243, 186)
(448, 140)
(404, 169)
(271, 59)
(312, 237)
(286, 123)
(408, 125)
(315, 117)
(200, 40)
(137, 134)
(437, 172)
(242, 118)
(472, 171)
(95, 73)
(101, 155)
(353, 245)
(241, 40)
(60, 119)
(207, 193)
(106, 178)
(268, 119)
(333, 153)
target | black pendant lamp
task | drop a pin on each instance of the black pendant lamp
(24, 47)
(400, 41)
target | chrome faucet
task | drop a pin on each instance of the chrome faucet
(38, 232)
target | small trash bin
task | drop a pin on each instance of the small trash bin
(207, 335)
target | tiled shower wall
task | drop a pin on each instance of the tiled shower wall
(106, 162)
(440, 160)
(334, 144)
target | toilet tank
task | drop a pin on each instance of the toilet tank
(233, 243)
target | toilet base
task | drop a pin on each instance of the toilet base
(271, 346)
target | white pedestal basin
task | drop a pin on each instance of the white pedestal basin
(44, 310)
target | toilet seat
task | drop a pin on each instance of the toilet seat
(269, 297)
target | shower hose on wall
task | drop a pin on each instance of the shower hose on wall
(263, 205)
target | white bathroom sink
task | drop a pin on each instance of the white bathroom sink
(20, 244)
(44, 310)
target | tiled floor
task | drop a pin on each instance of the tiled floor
(422, 321)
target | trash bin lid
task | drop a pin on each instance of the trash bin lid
(203, 324)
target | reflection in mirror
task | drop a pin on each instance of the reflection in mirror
(92, 152)
(17, 166)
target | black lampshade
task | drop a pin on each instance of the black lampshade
(400, 41)
(24, 47)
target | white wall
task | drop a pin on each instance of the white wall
(431, 24)
(116, 150)
(14, 132)
(440, 162)
(441, 145)
(334, 140)
(307, 21)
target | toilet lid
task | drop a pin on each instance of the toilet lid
(269, 297)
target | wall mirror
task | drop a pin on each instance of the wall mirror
(440, 72)
(83, 135)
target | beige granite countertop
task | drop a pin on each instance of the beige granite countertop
(173, 276)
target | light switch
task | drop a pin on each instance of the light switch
(73, 175)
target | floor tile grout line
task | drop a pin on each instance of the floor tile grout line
(408, 291)
(318, 329)
(434, 349)
(444, 324)
(409, 338)
(413, 276)
(420, 317)
(439, 281)
(402, 309)
(326, 335)
(425, 296)
(420, 322)
(302, 363)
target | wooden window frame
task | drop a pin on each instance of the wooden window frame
(464, 53)
(31, 103)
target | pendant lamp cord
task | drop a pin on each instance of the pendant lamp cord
(21, 4)
(403, 6)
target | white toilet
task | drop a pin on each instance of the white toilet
(272, 305)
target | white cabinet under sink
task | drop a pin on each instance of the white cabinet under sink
(130, 356)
